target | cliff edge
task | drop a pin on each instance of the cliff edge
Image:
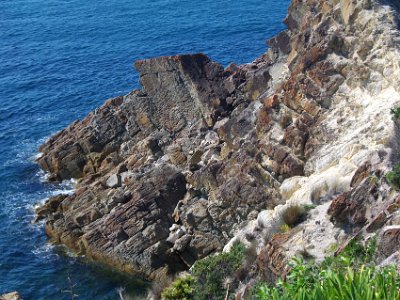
(203, 155)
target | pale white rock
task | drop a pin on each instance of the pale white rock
(211, 139)
(114, 181)
(220, 123)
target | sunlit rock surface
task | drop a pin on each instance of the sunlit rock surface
(203, 156)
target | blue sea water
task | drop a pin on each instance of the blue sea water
(59, 59)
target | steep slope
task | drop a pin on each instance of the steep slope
(344, 194)
(202, 154)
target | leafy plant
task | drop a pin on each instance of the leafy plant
(211, 277)
(284, 228)
(394, 176)
(348, 276)
(215, 273)
(331, 249)
(366, 283)
(180, 289)
(308, 207)
(395, 112)
(373, 180)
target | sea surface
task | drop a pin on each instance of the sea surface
(59, 59)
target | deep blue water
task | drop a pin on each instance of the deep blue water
(58, 61)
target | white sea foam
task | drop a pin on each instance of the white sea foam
(65, 187)
(38, 204)
(36, 156)
(45, 251)
(43, 176)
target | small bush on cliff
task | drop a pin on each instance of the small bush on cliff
(394, 176)
(215, 274)
(351, 275)
(396, 113)
(181, 289)
(212, 277)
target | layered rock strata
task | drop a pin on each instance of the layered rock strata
(202, 154)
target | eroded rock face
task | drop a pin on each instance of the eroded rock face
(342, 84)
(166, 173)
(170, 173)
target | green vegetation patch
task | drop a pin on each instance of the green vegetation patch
(351, 275)
(366, 283)
(393, 176)
(215, 273)
(212, 277)
(180, 289)
(396, 113)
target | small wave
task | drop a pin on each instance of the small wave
(70, 183)
(34, 206)
(43, 176)
(36, 227)
(71, 254)
(46, 138)
(45, 251)
(65, 187)
(35, 157)
(62, 192)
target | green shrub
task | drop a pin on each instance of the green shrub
(351, 275)
(348, 276)
(180, 289)
(308, 207)
(366, 283)
(393, 176)
(215, 272)
(212, 277)
(395, 112)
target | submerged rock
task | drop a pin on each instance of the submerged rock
(203, 155)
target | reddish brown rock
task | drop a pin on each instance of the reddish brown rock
(272, 261)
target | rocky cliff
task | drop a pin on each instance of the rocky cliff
(203, 155)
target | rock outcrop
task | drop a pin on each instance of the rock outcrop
(203, 155)
(160, 187)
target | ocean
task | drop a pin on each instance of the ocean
(61, 59)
